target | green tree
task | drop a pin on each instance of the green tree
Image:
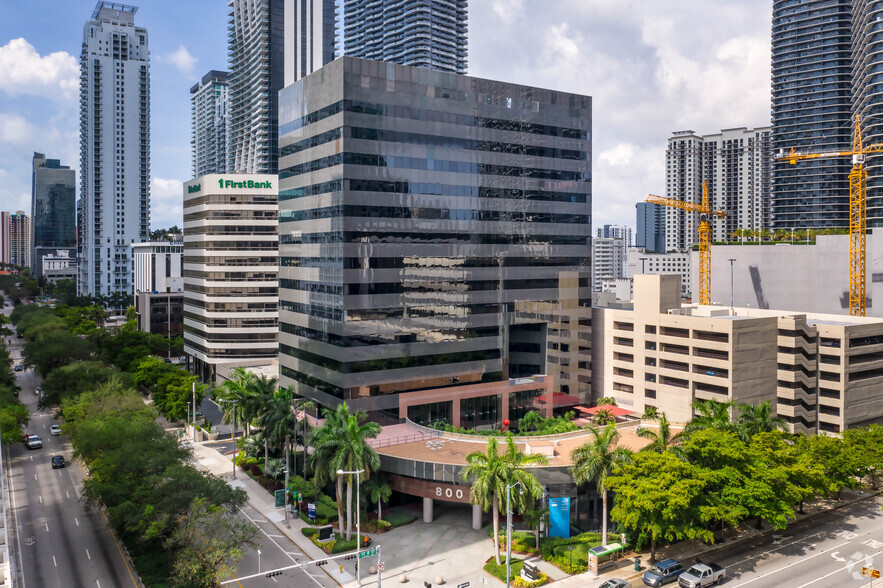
(533, 516)
(604, 417)
(711, 414)
(76, 378)
(378, 492)
(237, 393)
(491, 474)
(277, 421)
(661, 497)
(663, 439)
(12, 418)
(759, 419)
(606, 400)
(596, 461)
(208, 544)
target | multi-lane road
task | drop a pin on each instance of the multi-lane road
(57, 539)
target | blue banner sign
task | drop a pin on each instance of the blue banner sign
(559, 517)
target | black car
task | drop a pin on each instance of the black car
(57, 462)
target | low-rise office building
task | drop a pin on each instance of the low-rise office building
(230, 269)
(821, 372)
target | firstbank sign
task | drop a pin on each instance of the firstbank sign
(222, 183)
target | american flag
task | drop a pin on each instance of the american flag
(299, 414)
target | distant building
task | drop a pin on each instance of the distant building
(15, 238)
(608, 260)
(208, 124)
(310, 32)
(735, 164)
(819, 371)
(159, 287)
(231, 287)
(410, 236)
(650, 235)
(641, 261)
(421, 33)
(59, 265)
(616, 231)
(114, 207)
(53, 209)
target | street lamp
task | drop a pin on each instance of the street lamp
(259, 561)
(358, 473)
(233, 402)
(732, 261)
(509, 530)
(570, 549)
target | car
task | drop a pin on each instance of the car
(663, 572)
(19, 368)
(616, 583)
(33, 442)
(57, 462)
(55, 430)
(38, 390)
(701, 575)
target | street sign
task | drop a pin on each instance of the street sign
(279, 496)
(380, 567)
(870, 572)
(463, 585)
(368, 553)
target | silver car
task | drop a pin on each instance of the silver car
(616, 583)
(55, 430)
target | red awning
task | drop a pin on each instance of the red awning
(614, 410)
(558, 399)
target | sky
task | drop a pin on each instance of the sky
(652, 67)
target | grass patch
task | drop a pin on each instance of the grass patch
(398, 518)
(342, 545)
(499, 572)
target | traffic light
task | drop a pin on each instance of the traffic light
(350, 556)
(322, 563)
(276, 573)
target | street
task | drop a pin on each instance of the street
(827, 551)
(56, 539)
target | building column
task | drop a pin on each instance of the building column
(476, 517)
(427, 510)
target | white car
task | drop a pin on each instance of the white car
(33, 442)
(55, 430)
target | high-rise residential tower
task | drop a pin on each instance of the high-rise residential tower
(812, 81)
(623, 232)
(53, 210)
(15, 238)
(867, 63)
(309, 36)
(421, 33)
(650, 234)
(255, 55)
(421, 213)
(735, 164)
(114, 207)
(608, 260)
(208, 124)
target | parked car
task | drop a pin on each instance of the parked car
(55, 430)
(19, 368)
(616, 583)
(663, 572)
(33, 442)
(57, 462)
(701, 575)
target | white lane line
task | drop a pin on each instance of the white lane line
(98, 583)
(68, 493)
(17, 528)
(41, 499)
(47, 527)
(55, 562)
(35, 476)
(846, 567)
(276, 536)
(77, 521)
(277, 545)
(777, 570)
(87, 554)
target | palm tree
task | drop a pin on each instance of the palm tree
(663, 440)
(236, 390)
(258, 399)
(277, 421)
(533, 516)
(711, 414)
(492, 473)
(341, 444)
(377, 492)
(604, 417)
(595, 461)
(759, 419)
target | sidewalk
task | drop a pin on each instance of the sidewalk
(262, 501)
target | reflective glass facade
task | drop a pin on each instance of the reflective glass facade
(53, 208)
(416, 208)
(811, 111)
(867, 67)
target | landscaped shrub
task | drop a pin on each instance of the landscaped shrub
(309, 531)
(398, 518)
(555, 550)
(255, 470)
(499, 571)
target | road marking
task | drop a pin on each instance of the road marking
(87, 554)
(776, 549)
(68, 493)
(776, 571)
(276, 536)
(277, 545)
(56, 563)
(98, 583)
(77, 521)
(846, 567)
(17, 530)
(47, 527)
(41, 501)
(35, 476)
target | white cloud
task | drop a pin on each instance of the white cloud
(15, 130)
(508, 10)
(618, 156)
(182, 60)
(166, 203)
(24, 72)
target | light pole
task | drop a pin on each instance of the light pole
(287, 524)
(259, 561)
(358, 473)
(792, 235)
(509, 530)
(732, 261)
(233, 402)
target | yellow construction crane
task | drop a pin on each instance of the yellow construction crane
(705, 212)
(858, 215)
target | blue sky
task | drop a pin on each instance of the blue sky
(651, 66)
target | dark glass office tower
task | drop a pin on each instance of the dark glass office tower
(867, 70)
(811, 110)
(53, 210)
(421, 33)
(417, 211)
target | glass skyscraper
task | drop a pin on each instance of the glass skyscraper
(811, 111)
(421, 33)
(418, 211)
(53, 210)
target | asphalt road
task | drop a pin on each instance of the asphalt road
(820, 553)
(57, 539)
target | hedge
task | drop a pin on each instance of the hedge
(499, 571)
